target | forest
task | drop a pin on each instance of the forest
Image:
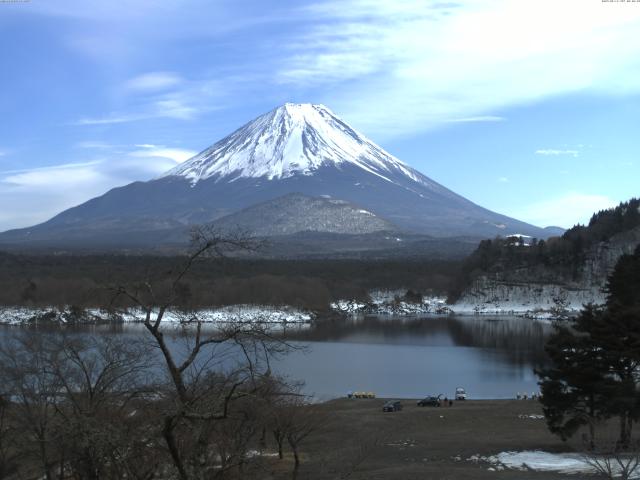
(557, 256)
(87, 280)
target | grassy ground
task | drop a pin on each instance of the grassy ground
(359, 441)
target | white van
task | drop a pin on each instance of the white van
(461, 394)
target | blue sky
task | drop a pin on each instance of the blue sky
(527, 108)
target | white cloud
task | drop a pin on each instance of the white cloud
(93, 144)
(174, 108)
(503, 180)
(113, 118)
(186, 101)
(57, 178)
(178, 155)
(556, 152)
(17, 173)
(153, 81)
(390, 67)
(395, 68)
(37, 194)
(157, 109)
(565, 210)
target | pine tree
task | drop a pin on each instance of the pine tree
(618, 334)
(596, 361)
(573, 389)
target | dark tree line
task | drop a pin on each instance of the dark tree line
(556, 257)
(182, 402)
(80, 280)
(595, 372)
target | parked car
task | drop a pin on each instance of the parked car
(392, 406)
(461, 394)
(430, 401)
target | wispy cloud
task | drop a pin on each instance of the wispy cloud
(15, 176)
(162, 108)
(93, 144)
(503, 180)
(397, 68)
(392, 68)
(153, 81)
(556, 152)
(178, 155)
(158, 96)
(59, 177)
(111, 119)
(37, 194)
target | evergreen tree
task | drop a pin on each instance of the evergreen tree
(573, 389)
(596, 359)
(618, 334)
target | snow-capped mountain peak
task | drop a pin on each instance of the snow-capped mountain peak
(293, 139)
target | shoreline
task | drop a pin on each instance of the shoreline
(264, 314)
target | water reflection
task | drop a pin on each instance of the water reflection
(520, 340)
(405, 357)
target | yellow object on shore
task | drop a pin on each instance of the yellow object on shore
(364, 395)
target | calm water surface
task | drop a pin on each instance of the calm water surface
(492, 357)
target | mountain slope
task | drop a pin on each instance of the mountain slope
(294, 148)
(295, 213)
(572, 268)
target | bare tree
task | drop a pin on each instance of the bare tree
(100, 378)
(292, 419)
(28, 381)
(71, 403)
(237, 351)
(8, 454)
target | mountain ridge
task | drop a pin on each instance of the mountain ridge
(293, 138)
(294, 148)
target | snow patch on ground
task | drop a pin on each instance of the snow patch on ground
(540, 461)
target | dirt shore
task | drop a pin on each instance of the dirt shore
(359, 441)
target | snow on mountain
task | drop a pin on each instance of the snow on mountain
(291, 139)
(301, 149)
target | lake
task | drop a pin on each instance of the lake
(407, 357)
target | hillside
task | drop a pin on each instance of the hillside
(295, 148)
(568, 270)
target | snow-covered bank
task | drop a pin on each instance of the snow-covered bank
(399, 302)
(393, 302)
(540, 301)
(283, 315)
(382, 302)
(540, 461)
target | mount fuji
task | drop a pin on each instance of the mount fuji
(299, 168)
